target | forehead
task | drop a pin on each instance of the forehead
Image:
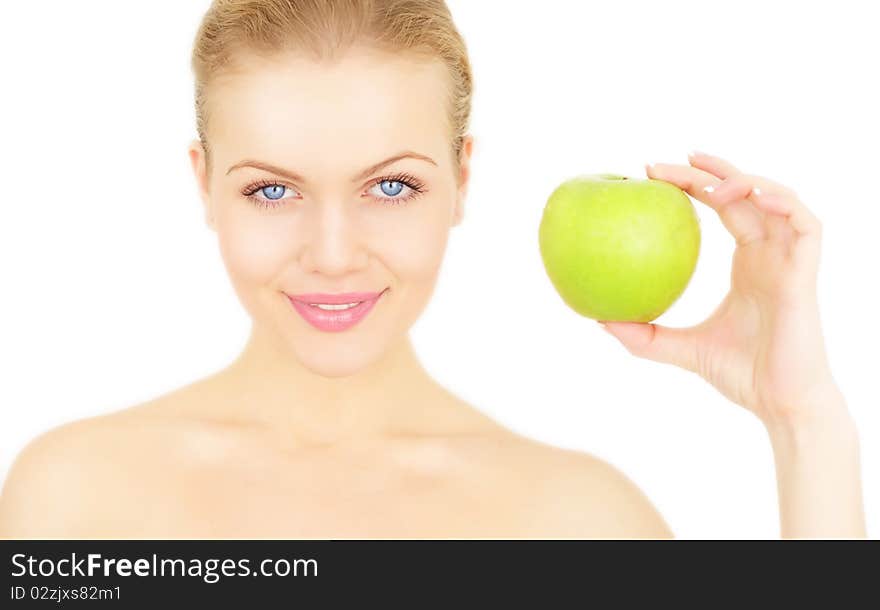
(364, 101)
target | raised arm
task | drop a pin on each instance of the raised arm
(818, 472)
(763, 348)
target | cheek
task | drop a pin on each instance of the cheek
(412, 243)
(253, 250)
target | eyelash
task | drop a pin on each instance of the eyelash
(415, 185)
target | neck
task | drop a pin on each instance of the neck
(388, 397)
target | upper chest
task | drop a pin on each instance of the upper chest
(417, 491)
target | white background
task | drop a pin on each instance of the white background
(114, 290)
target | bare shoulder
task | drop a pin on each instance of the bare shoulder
(44, 484)
(593, 498)
(79, 473)
(573, 494)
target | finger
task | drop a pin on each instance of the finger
(722, 170)
(716, 166)
(801, 219)
(805, 230)
(769, 197)
(743, 221)
(676, 346)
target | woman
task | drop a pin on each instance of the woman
(333, 159)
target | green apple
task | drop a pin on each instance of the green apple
(618, 248)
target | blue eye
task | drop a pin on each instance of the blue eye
(271, 193)
(393, 187)
(276, 191)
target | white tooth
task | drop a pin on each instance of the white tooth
(335, 307)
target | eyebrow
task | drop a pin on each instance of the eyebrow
(297, 178)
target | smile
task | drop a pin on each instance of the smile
(334, 312)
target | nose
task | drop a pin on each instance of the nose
(334, 243)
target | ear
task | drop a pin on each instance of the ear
(197, 159)
(464, 169)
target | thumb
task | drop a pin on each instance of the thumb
(656, 342)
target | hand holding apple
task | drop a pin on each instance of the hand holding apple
(762, 347)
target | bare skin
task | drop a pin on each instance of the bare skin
(184, 466)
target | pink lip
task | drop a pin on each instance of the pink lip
(334, 299)
(334, 321)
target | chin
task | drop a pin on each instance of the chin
(337, 359)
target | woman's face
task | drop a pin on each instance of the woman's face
(334, 207)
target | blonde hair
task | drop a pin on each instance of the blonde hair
(321, 28)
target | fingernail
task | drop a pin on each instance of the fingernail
(649, 166)
(694, 153)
